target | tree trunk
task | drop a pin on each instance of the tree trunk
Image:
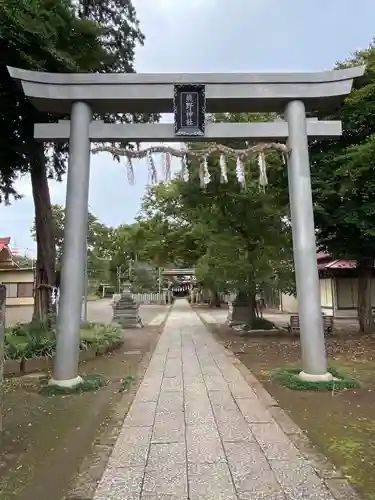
(45, 237)
(215, 300)
(242, 310)
(364, 305)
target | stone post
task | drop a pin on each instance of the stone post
(314, 358)
(65, 369)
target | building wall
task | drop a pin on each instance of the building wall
(326, 298)
(347, 296)
(289, 303)
(20, 294)
(343, 305)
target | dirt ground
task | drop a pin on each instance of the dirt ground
(342, 425)
(57, 447)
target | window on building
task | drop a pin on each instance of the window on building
(16, 290)
(12, 290)
(25, 289)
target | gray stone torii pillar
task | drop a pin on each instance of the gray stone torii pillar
(292, 94)
(314, 358)
(65, 366)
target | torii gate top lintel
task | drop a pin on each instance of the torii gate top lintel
(225, 92)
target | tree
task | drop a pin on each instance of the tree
(99, 238)
(143, 278)
(120, 34)
(42, 35)
(56, 36)
(236, 236)
(344, 183)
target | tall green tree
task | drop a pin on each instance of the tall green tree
(55, 36)
(120, 35)
(99, 241)
(343, 174)
(42, 35)
(235, 235)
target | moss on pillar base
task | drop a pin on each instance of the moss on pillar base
(289, 377)
(90, 382)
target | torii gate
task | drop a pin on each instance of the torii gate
(84, 94)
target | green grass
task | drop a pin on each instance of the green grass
(126, 383)
(91, 382)
(289, 377)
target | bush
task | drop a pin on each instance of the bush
(29, 341)
(33, 341)
(99, 334)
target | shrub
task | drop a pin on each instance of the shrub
(32, 341)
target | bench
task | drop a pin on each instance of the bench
(294, 326)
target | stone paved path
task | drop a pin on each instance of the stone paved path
(197, 431)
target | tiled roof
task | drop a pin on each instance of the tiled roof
(341, 264)
(325, 261)
(4, 242)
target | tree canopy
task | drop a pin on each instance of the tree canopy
(343, 179)
(42, 35)
(237, 237)
(56, 36)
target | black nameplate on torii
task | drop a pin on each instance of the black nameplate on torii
(189, 105)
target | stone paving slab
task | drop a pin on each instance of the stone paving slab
(200, 428)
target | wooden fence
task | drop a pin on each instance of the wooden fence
(151, 298)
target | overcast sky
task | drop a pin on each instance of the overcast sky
(211, 36)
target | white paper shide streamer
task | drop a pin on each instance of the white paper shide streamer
(240, 171)
(153, 177)
(201, 174)
(206, 173)
(202, 155)
(263, 181)
(167, 166)
(130, 170)
(184, 173)
(223, 170)
(186, 170)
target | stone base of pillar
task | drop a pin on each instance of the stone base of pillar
(308, 377)
(68, 384)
